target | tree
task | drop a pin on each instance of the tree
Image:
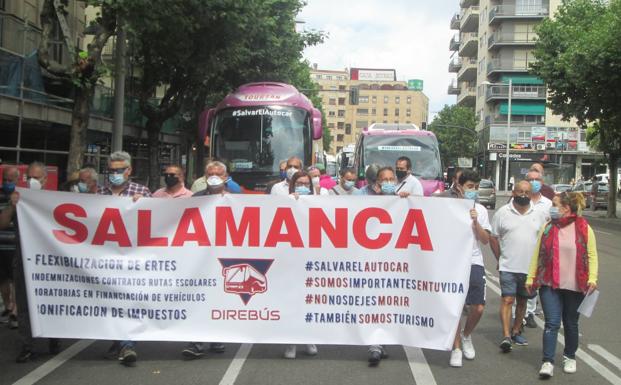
(579, 57)
(214, 47)
(82, 72)
(454, 128)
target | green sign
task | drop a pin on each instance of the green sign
(415, 84)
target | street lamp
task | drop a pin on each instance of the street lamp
(508, 127)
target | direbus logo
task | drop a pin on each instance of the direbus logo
(245, 277)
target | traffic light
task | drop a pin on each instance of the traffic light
(354, 92)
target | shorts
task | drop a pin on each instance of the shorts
(476, 290)
(6, 265)
(513, 285)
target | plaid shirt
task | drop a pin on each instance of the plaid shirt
(130, 190)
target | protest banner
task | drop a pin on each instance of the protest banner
(256, 269)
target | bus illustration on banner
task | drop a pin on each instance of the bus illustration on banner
(245, 277)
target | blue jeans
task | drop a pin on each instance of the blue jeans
(560, 304)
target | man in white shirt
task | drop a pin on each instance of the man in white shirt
(294, 164)
(407, 182)
(515, 227)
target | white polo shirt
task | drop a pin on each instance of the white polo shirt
(280, 188)
(517, 235)
(483, 219)
(412, 185)
(543, 205)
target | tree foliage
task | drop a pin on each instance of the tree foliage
(579, 57)
(454, 128)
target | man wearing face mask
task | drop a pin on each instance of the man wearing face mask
(10, 176)
(370, 176)
(515, 227)
(315, 173)
(282, 166)
(407, 182)
(175, 188)
(216, 179)
(36, 175)
(201, 183)
(87, 181)
(119, 170)
(347, 183)
(294, 164)
(546, 190)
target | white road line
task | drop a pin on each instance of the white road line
(606, 355)
(54, 363)
(419, 366)
(581, 354)
(236, 365)
(602, 232)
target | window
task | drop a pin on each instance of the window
(333, 88)
(409, 100)
(348, 129)
(332, 102)
(331, 113)
(363, 99)
(340, 137)
(397, 99)
(361, 123)
(342, 88)
(385, 111)
(362, 111)
(374, 99)
(339, 148)
(396, 112)
(318, 76)
(385, 99)
(408, 112)
(373, 111)
(341, 113)
(340, 125)
(328, 77)
(330, 125)
(341, 101)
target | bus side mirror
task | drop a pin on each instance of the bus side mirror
(317, 127)
(204, 121)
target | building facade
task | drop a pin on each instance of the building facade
(492, 48)
(381, 99)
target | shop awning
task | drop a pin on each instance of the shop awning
(522, 108)
(521, 79)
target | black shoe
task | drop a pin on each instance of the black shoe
(128, 356)
(54, 346)
(375, 357)
(506, 345)
(530, 321)
(193, 351)
(13, 324)
(113, 351)
(24, 356)
(4, 316)
(216, 347)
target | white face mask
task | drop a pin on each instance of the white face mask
(214, 181)
(34, 184)
(315, 181)
(290, 172)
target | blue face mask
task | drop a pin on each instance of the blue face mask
(555, 213)
(302, 190)
(116, 179)
(82, 187)
(388, 188)
(349, 184)
(283, 174)
(8, 187)
(536, 186)
(471, 194)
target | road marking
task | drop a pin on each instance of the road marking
(54, 362)
(602, 232)
(419, 366)
(606, 355)
(581, 354)
(236, 365)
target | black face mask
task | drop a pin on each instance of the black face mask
(522, 200)
(171, 180)
(401, 174)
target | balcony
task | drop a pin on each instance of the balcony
(469, 44)
(453, 88)
(455, 65)
(469, 19)
(511, 66)
(455, 21)
(498, 13)
(498, 39)
(454, 44)
(467, 97)
(468, 3)
(468, 71)
(519, 92)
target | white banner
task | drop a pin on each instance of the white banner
(246, 268)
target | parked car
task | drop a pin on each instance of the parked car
(559, 188)
(585, 187)
(487, 193)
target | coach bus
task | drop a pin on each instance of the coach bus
(383, 144)
(258, 125)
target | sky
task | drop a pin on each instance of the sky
(411, 36)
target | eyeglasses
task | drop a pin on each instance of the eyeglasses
(117, 170)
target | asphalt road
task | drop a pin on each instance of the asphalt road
(599, 358)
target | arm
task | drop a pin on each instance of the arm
(495, 246)
(480, 225)
(593, 260)
(534, 261)
(5, 216)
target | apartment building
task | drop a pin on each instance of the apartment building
(492, 48)
(381, 99)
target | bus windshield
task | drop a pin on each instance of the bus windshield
(422, 151)
(256, 139)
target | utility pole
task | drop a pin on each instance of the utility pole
(119, 87)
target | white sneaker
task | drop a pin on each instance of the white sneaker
(468, 347)
(547, 370)
(455, 361)
(290, 352)
(311, 350)
(569, 365)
